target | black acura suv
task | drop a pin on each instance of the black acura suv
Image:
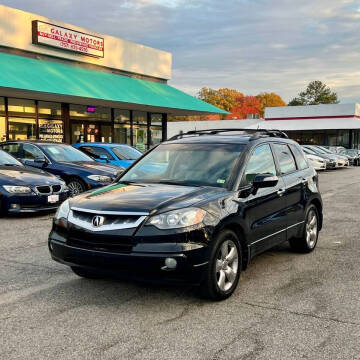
(196, 208)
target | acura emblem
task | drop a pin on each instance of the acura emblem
(98, 221)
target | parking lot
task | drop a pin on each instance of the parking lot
(287, 306)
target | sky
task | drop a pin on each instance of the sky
(249, 45)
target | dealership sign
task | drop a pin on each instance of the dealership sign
(57, 36)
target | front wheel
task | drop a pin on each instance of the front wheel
(76, 186)
(308, 241)
(223, 272)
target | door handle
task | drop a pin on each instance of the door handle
(281, 192)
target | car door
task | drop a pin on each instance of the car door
(264, 211)
(294, 181)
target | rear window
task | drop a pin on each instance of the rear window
(299, 157)
(286, 159)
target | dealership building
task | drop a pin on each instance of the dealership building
(328, 124)
(63, 83)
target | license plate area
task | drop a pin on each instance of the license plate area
(52, 199)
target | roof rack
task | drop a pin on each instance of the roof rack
(256, 133)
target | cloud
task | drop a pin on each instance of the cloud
(249, 45)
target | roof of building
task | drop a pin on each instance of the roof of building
(49, 80)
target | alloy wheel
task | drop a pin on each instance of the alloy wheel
(75, 188)
(227, 263)
(311, 229)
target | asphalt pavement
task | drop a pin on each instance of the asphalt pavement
(287, 305)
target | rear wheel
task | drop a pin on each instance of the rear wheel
(224, 267)
(308, 241)
(76, 186)
(85, 273)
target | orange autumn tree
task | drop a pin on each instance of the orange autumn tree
(269, 100)
(244, 106)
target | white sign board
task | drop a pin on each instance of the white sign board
(57, 36)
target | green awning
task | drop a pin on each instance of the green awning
(51, 80)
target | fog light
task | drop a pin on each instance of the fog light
(15, 206)
(170, 263)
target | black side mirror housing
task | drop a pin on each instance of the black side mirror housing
(40, 160)
(264, 181)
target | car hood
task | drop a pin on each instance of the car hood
(26, 175)
(144, 197)
(93, 167)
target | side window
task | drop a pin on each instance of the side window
(285, 158)
(31, 152)
(13, 149)
(299, 157)
(260, 162)
(96, 152)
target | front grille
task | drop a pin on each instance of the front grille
(46, 189)
(56, 188)
(113, 220)
(96, 242)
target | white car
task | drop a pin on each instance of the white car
(317, 162)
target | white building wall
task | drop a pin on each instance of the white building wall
(16, 32)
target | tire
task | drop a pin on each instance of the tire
(76, 186)
(308, 240)
(223, 272)
(84, 273)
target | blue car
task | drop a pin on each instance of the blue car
(78, 170)
(115, 154)
(26, 189)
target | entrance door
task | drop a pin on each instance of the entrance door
(77, 132)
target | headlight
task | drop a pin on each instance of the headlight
(177, 218)
(17, 189)
(63, 210)
(100, 178)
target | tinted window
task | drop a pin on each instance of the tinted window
(6, 159)
(285, 157)
(30, 152)
(96, 151)
(126, 152)
(261, 162)
(65, 153)
(13, 149)
(299, 157)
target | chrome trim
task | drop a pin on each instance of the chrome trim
(202, 264)
(278, 232)
(89, 225)
(110, 212)
(62, 189)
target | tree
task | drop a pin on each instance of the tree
(223, 98)
(269, 100)
(316, 93)
(244, 106)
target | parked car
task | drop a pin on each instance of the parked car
(78, 170)
(341, 152)
(26, 189)
(222, 198)
(115, 154)
(352, 154)
(331, 162)
(340, 161)
(317, 162)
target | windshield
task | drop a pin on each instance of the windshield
(351, 152)
(187, 164)
(126, 152)
(65, 153)
(318, 150)
(327, 151)
(309, 151)
(6, 159)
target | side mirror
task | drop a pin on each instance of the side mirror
(40, 160)
(119, 174)
(264, 181)
(104, 157)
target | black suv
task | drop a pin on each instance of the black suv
(195, 208)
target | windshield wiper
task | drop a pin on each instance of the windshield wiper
(176, 182)
(11, 165)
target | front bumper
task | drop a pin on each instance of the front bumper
(29, 203)
(145, 260)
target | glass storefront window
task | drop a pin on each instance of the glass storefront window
(51, 127)
(2, 120)
(91, 113)
(21, 107)
(22, 129)
(140, 140)
(122, 126)
(77, 133)
(156, 129)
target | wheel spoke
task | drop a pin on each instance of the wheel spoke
(230, 274)
(224, 250)
(218, 265)
(221, 281)
(313, 221)
(232, 255)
